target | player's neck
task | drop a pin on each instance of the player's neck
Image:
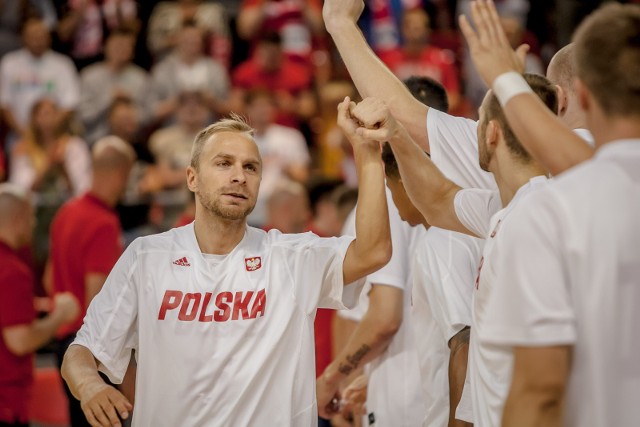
(218, 236)
(609, 129)
(512, 176)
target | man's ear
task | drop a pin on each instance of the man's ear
(563, 102)
(192, 179)
(493, 133)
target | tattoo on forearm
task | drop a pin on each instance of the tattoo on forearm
(460, 339)
(353, 360)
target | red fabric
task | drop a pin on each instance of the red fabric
(16, 308)
(184, 219)
(322, 329)
(85, 238)
(432, 62)
(292, 79)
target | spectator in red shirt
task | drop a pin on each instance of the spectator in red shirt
(417, 57)
(22, 333)
(269, 69)
(86, 239)
(296, 21)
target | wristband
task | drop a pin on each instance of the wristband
(508, 85)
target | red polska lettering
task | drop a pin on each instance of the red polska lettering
(205, 307)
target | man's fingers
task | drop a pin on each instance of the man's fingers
(487, 22)
(123, 407)
(380, 135)
(480, 24)
(111, 414)
(100, 416)
(468, 32)
(521, 54)
(496, 23)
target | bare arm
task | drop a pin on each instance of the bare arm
(536, 127)
(371, 248)
(536, 397)
(93, 282)
(371, 337)
(27, 338)
(11, 121)
(458, 357)
(370, 75)
(101, 403)
(429, 190)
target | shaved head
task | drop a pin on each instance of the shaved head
(561, 69)
(13, 202)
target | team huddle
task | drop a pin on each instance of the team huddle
(509, 247)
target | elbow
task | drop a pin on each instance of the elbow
(381, 255)
(387, 328)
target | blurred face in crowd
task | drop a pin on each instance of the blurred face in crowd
(36, 37)
(261, 111)
(124, 122)
(269, 56)
(193, 113)
(119, 49)
(227, 178)
(415, 26)
(46, 115)
(190, 43)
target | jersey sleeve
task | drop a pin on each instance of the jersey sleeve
(453, 144)
(530, 304)
(453, 269)
(474, 208)
(16, 299)
(315, 267)
(103, 249)
(109, 330)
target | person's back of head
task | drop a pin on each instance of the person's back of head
(16, 216)
(112, 160)
(288, 207)
(429, 92)
(607, 58)
(543, 88)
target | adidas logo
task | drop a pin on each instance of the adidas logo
(182, 262)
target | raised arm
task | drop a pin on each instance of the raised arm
(541, 132)
(371, 248)
(102, 404)
(429, 190)
(370, 75)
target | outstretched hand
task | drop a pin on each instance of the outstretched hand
(490, 49)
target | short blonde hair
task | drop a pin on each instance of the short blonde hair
(112, 152)
(234, 123)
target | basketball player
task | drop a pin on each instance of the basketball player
(565, 304)
(473, 211)
(221, 314)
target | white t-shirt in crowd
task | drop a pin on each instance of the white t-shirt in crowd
(24, 79)
(453, 143)
(444, 268)
(218, 344)
(489, 371)
(571, 276)
(394, 392)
